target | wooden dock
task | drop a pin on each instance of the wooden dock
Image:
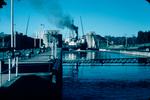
(37, 65)
(38, 76)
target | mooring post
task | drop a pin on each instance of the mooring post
(13, 62)
(59, 69)
(9, 69)
(16, 66)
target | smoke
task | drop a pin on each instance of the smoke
(52, 10)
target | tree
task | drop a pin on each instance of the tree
(148, 1)
(2, 2)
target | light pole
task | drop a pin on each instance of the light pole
(12, 26)
(15, 36)
(12, 37)
(41, 35)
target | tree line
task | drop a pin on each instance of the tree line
(141, 38)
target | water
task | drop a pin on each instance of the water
(94, 55)
(117, 82)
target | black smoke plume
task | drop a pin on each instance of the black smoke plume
(52, 10)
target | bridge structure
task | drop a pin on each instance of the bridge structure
(145, 61)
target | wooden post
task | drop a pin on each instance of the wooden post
(59, 78)
(16, 66)
(12, 24)
(34, 42)
(9, 69)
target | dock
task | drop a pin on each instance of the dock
(40, 67)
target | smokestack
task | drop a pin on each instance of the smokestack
(74, 28)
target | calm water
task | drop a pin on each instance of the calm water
(105, 82)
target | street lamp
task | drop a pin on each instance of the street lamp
(12, 25)
(41, 35)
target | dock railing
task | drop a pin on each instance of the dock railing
(6, 74)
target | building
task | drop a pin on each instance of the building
(21, 41)
(50, 36)
(95, 41)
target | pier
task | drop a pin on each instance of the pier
(42, 67)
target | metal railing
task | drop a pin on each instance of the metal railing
(110, 61)
(6, 74)
(9, 70)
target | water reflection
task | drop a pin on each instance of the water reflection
(93, 55)
(95, 73)
(72, 56)
(109, 82)
(107, 72)
(75, 71)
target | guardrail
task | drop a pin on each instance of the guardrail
(110, 61)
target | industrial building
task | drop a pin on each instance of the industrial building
(21, 42)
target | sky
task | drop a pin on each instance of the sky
(104, 17)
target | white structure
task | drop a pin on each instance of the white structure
(49, 36)
(91, 40)
(50, 39)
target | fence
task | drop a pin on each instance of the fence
(5, 73)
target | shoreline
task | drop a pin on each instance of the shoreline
(136, 53)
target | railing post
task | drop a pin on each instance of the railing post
(13, 62)
(9, 69)
(16, 66)
(52, 49)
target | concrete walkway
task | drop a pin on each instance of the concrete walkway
(44, 57)
(4, 80)
(41, 58)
